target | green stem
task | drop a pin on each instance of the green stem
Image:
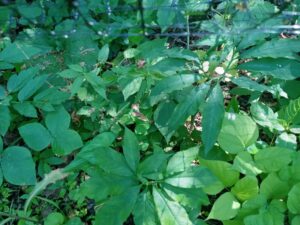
(16, 217)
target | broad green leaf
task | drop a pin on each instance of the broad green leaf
(237, 133)
(184, 109)
(35, 135)
(1, 145)
(162, 116)
(263, 218)
(130, 86)
(131, 149)
(153, 166)
(54, 218)
(74, 221)
(225, 207)
(103, 54)
(5, 119)
(1, 177)
(31, 87)
(213, 114)
(25, 109)
(30, 11)
(165, 17)
(243, 162)
(280, 68)
(18, 52)
(273, 187)
(144, 212)
(16, 82)
(247, 83)
(285, 140)
(182, 160)
(100, 185)
(130, 53)
(246, 188)
(294, 199)
(222, 170)
(58, 120)
(272, 159)
(169, 212)
(296, 220)
(192, 198)
(17, 166)
(66, 141)
(193, 177)
(50, 96)
(170, 84)
(264, 116)
(290, 112)
(112, 161)
(117, 209)
(276, 48)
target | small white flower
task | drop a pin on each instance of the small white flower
(219, 70)
(205, 66)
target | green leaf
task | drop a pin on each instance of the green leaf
(117, 208)
(5, 119)
(237, 133)
(225, 207)
(247, 83)
(186, 108)
(222, 170)
(272, 159)
(296, 220)
(112, 161)
(144, 212)
(246, 188)
(284, 69)
(264, 116)
(243, 162)
(131, 149)
(50, 96)
(193, 177)
(285, 140)
(55, 218)
(66, 141)
(130, 86)
(213, 114)
(103, 54)
(31, 87)
(35, 135)
(153, 166)
(294, 199)
(169, 212)
(30, 11)
(18, 52)
(182, 160)
(130, 53)
(273, 187)
(276, 48)
(291, 111)
(1, 145)
(16, 82)
(165, 17)
(192, 198)
(17, 166)
(25, 109)
(170, 84)
(1, 177)
(162, 116)
(58, 120)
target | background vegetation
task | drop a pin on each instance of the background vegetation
(149, 112)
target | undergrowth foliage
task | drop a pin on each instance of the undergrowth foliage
(191, 117)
